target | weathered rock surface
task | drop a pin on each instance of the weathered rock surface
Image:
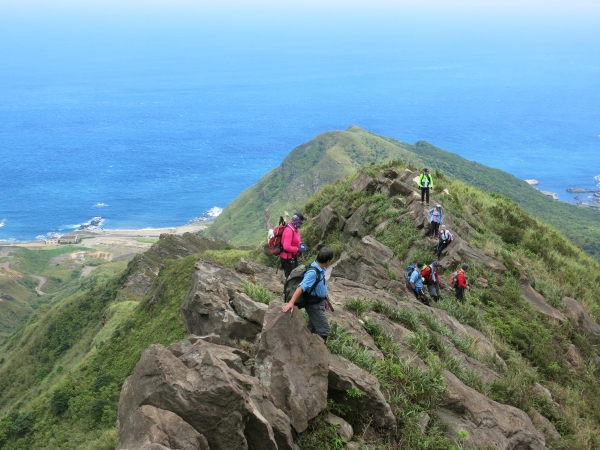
(536, 300)
(249, 309)
(354, 226)
(292, 365)
(344, 376)
(546, 427)
(327, 220)
(400, 188)
(370, 263)
(459, 252)
(487, 422)
(244, 266)
(583, 319)
(230, 409)
(206, 398)
(149, 427)
(206, 309)
(364, 182)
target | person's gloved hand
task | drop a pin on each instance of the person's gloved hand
(302, 248)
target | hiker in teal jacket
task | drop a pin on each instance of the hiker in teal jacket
(425, 183)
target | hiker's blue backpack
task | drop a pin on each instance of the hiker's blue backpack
(407, 273)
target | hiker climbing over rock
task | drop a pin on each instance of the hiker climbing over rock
(416, 284)
(461, 283)
(445, 238)
(435, 220)
(311, 294)
(432, 280)
(425, 183)
(292, 245)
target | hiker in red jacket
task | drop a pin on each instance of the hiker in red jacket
(292, 244)
(461, 283)
(432, 280)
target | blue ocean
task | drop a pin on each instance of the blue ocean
(150, 120)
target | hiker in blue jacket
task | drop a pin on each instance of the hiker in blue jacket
(316, 304)
(416, 283)
(436, 216)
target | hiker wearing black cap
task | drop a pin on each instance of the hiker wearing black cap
(425, 182)
(416, 284)
(292, 245)
(461, 283)
(432, 280)
(315, 286)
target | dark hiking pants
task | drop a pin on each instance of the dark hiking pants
(288, 265)
(424, 193)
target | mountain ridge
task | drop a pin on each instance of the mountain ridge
(335, 154)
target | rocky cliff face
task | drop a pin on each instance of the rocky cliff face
(251, 377)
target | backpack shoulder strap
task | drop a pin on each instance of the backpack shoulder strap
(318, 279)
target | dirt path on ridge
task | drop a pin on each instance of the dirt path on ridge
(41, 284)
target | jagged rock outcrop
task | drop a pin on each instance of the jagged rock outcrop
(364, 182)
(537, 300)
(354, 226)
(206, 308)
(153, 428)
(487, 422)
(249, 309)
(581, 316)
(292, 365)
(370, 262)
(459, 252)
(327, 220)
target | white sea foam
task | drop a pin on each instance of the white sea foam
(597, 180)
(213, 212)
(2, 222)
(100, 205)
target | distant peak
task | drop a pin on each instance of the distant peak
(354, 129)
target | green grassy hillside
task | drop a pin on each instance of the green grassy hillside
(335, 154)
(61, 373)
(321, 161)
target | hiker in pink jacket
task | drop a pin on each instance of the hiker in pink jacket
(292, 244)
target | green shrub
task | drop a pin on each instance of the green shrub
(257, 292)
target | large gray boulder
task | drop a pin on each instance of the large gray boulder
(206, 308)
(460, 252)
(204, 397)
(292, 365)
(149, 427)
(399, 188)
(581, 316)
(345, 376)
(370, 263)
(204, 392)
(249, 309)
(364, 182)
(487, 422)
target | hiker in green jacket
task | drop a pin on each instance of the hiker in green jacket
(425, 182)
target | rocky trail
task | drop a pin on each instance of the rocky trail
(251, 377)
